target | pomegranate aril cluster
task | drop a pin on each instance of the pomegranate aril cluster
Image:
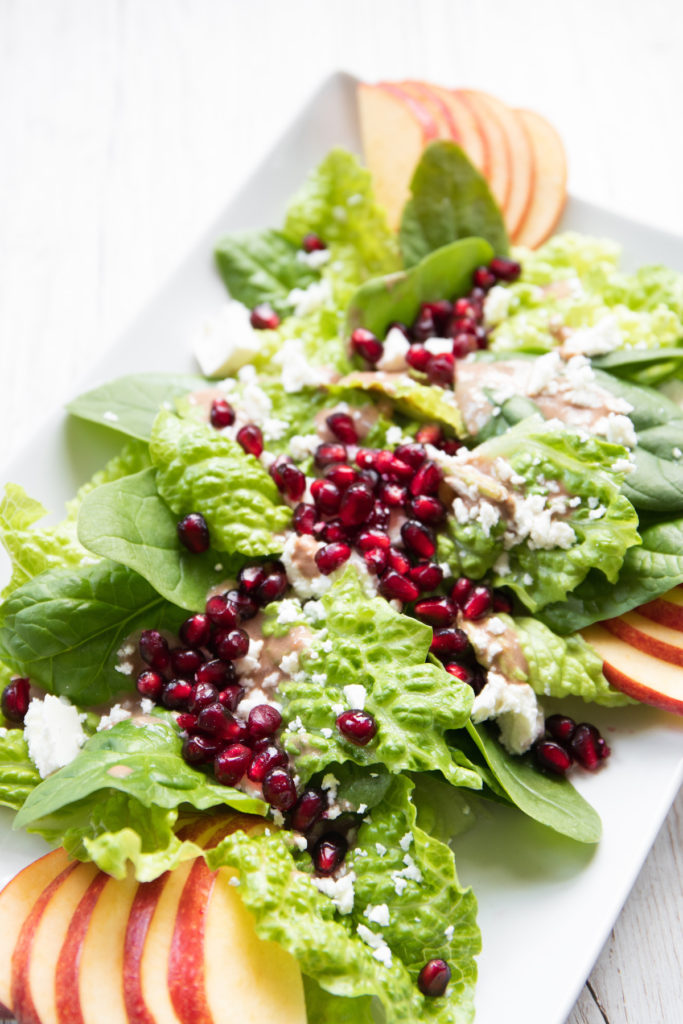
(459, 322)
(566, 743)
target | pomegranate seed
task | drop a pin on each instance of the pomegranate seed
(193, 533)
(376, 560)
(16, 698)
(154, 650)
(552, 757)
(449, 641)
(246, 606)
(441, 369)
(379, 517)
(505, 270)
(426, 576)
(418, 538)
(463, 344)
(341, 474)
(308, 809)
(288, 478)
(383, 462)
(394, 586)
(365, 457)
(251, 439)
(393, 495)
(231, 764)
(356, 504)
(433, 978)
(326, 454)
(561, 728)
(186, 721)
(264, 318)
(584, 746)
(427, 509)
(478, 604)
(222, 414)
(334, 530)
(185, 661)
(461, 590)
(312, 242)
(462, 325)
(373, 539)
(603, 748)
(482, 338)
(343, 427)
(200, 749)
(231, 696)
(149, 684)
(217, 673)
(459, 671)
(329, 852)
(441, 311)
(177, 694)
(426, 480)
(430, 433)
(484, 278)
(196, 630)
(230, 644)
(450, 446)
(419, 358)
(331, 556)
(399, 471)
(269, 757)
(465, 308)
(215, 720)
(357, 726)
(412, 453)
(304, 518)
(273, 586)
(326, 496)
(502, 602)
(424, 326)
(251, 577)
(365, 344)
(370, 477)
(279, 789)
(399, 562)
(436, 611)
(222, 612)
(264, 720)
(203, 695)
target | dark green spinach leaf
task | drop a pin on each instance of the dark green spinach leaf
(262, 266)
(130, 404)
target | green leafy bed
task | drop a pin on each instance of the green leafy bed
(80, 590)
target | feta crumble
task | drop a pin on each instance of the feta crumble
(356, 695)
(515, 708)
(53, 732)
(340, 890)
(396, 347)
(117, 714)
(226, 340)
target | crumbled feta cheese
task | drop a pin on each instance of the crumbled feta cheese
(356, 695)
(381, 849)
(234, 881)
(310, 299)
(110, 416)
(396, 346)
(253, 400)
(330, 784)
(297, 372)
(226, 341)
(288, 611)
(406, 841)
(315, 260)
(298, 558)
(488, 516)
(290, 663)
(496, 626)
(53, 732)
(253, 698)
(375, 940)
(515, 708)
(315, 611)
(251, 660)
(340, 890)
(303, 445)
(117, 714)
(301, 843)
(394, 436)
(399, 884)
(438, 346)
(327, 733)
(617, 429)
(448, 934)
(378, 915)
(147, 706)
(274, 429)
(604, 336)
(497, 305)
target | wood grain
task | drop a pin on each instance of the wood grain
(125, 126)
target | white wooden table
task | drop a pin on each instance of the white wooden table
(124, 127)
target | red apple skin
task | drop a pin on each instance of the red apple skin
(639, 691)
(643, 641)
(616, 652)
(68, 962)
(22, 1003)
(665, 612)
(430, 129)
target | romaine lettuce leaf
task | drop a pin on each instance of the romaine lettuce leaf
(200, 470)
(369, 644)
(18, 774)
(418, 401)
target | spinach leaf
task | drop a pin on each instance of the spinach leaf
(64, 628)
(130, 404)
(450, 199)
(128, 522)
(642, 366)
(445, 273)
(552, 802)
(649, 570)
(262, 266)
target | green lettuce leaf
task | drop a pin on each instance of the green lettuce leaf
(120, 798)
(129, 523)
(415, 400)
(64, 628)
(449, 200)
(200, 470)
(130, 404)
(262, 266)
(367, 643)
(18, 775)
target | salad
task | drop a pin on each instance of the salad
(328, 583)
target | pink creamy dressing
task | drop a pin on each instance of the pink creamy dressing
(268, 674)
(498, 649)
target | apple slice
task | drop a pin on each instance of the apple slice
(216, 951)
(550, 191)
(667, 609)
(16, 901)
(33, 999)
(636, 673)
(648, 636)
(433, 104)
(467, 130)
(395, 128)
(498, 155)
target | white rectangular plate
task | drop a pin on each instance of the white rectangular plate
(546, 904)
